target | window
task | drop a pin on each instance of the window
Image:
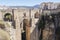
(45, 7)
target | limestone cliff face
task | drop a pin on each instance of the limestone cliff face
(4, 35)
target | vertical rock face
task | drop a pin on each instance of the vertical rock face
(47, 35)
(18, 29)
(4, 35)
(27, 33)
(48, 32)
(18, 34)
(27, 29)
(34, 34)
(1, 18)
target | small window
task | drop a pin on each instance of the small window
(45, 7)
(36, 15)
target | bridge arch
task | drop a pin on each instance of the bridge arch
(8, 17)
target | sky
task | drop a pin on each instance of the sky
(24, 2)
